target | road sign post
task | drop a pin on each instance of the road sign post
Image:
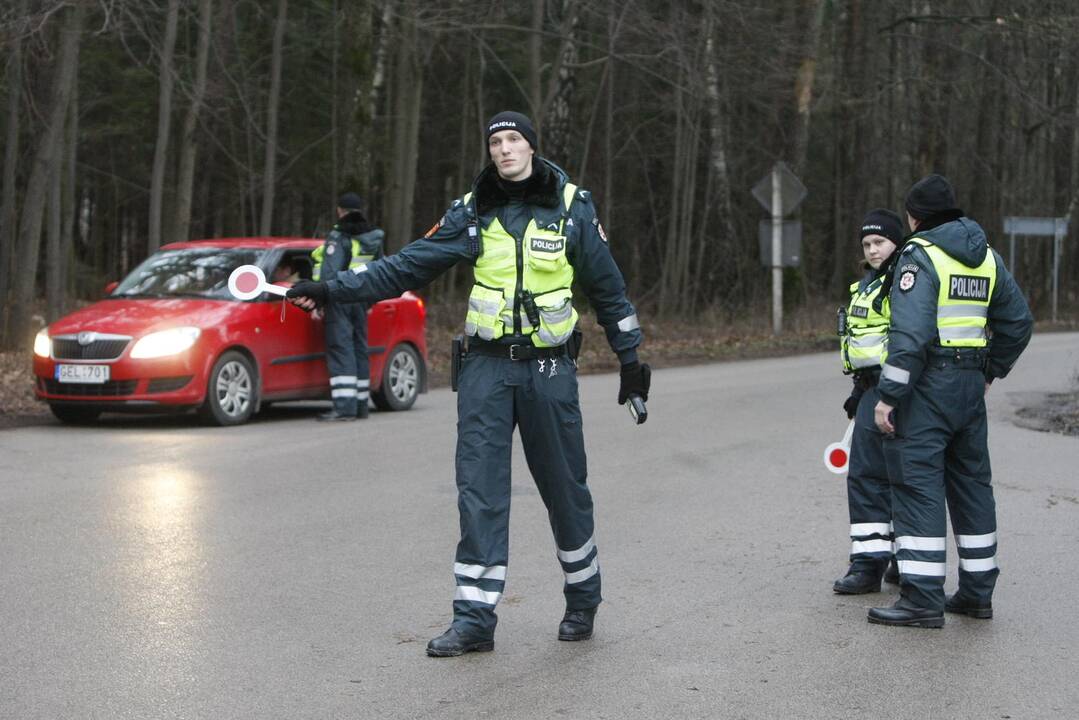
(1057, 227)
(779, 192)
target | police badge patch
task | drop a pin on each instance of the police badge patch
(330, 249)
(599, 229)
(906, 281)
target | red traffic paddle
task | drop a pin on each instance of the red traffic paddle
(248, 282)
(837, 455)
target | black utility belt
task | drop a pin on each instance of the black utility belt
(512, 351)
(962, 358)
(867, 378)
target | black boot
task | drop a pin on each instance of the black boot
(904, 614)
(334, 416)
(965, 606)
(452, 643)
(891, 575)
(577, 624)
(858, 581)
(361, 410)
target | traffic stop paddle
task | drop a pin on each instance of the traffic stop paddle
(837, 455)
(248, 282)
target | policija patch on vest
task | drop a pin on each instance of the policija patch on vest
(968, 287)
(859, 311)
(548, 246)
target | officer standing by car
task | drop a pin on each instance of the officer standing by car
(959, 321)
(351, 244)
(530, 234)
(864, 346)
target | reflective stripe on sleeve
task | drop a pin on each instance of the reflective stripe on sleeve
(629, 323)
(569, 556)
(861, 547)
(913, 542)
(891, 372)
(916, 567)
(976, 541)
(861, 529)
(581, 575)
(480, 572)
(978, 564)
(474, 594)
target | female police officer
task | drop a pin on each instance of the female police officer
(864, 346)
(530, 234)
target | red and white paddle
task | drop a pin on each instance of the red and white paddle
(837, 455)
(248, 282)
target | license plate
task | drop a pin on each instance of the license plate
(82, 373)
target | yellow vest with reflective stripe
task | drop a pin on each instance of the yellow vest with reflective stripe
(546, 273)
(357, 259)
(963, 299)
(865, 344)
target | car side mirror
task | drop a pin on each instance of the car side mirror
(110, 287)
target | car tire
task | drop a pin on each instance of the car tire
(401, 378)
(231, 392)
(74, 414)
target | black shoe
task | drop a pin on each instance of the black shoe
(970, 608)
(334, 416)
(858, 582)
(905, 615)
(891, 575)
(577, 624)
(361, 411)
(452, 643)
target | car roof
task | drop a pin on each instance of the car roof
(259, 243)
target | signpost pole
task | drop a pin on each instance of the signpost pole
(1058, 236)
(777, 253)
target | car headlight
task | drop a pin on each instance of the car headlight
(42, 344)
(166, 342)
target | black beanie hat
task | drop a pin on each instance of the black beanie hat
(882, 222)
(508, 120)
(930, 196)
(350, 201)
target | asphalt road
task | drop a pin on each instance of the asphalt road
(152, 568)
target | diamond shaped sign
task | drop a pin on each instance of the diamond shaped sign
(791, 190)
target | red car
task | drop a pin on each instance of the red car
(171, 337)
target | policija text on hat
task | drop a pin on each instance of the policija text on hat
(529, 234)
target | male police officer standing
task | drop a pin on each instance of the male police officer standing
(351, 244)
(530, 234)
(959, 321)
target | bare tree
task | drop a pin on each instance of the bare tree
(164, 122)
(189, 139)
(45, 158)
(269, 171)
(11, 162)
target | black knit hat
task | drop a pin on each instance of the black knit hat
(882, 222)
(350, 201)
(508, 120)
(930, 196)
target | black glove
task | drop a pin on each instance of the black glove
(635, 379)
(851, 403)
(317, 291)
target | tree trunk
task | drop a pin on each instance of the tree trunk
(54, 251)
(407, 95)
(719, 181)
(69, 196)
(803, 86)
(11, 166)
(555, 126)
(535, 60)
(189, 143)
(64, 79)
(272, 109)
(164, 123)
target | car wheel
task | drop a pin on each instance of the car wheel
(75, 415)
(232, 391)
(400, 379)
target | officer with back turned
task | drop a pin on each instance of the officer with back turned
(959, 322)
(530, 235)
(351, 244)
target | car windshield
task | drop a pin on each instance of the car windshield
(187, 272)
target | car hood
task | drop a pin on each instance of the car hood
(137, 317)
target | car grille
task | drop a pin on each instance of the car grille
(69, 348)
(112, 388)
(160, 385)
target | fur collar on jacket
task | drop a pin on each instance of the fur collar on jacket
(541, 188)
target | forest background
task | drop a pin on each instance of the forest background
(128, 124)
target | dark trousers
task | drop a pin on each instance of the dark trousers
(869, 494)
(940, 456)
(346, 356)
(540, 398)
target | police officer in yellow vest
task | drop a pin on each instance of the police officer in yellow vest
(352, 243)
(530, 235)
(863, 349)
(959, 321)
